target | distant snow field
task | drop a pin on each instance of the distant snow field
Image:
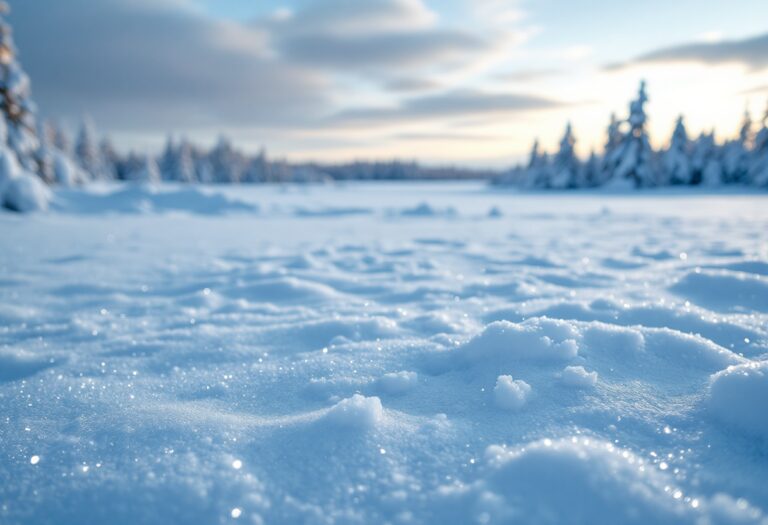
(384, 353)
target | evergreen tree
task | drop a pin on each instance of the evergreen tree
(145, 170)
(758, 170)
(165, 162)
(109, 159)
(706, 168)
(45, 153)
(589, 174)
(258, 169)
(176, 162)
(636, 157)
(612, 155)
(87, 151)
(538, 172)
(226, 163)
(565, 166)
(60, 139)
(18, 129)
(736, 153)
(676, 160)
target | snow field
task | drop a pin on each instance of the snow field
(166, 363)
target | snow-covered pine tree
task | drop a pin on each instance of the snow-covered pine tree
(736, 153)
(589, 174)
(45, 153)
(758, 169)
(145, 170)
(706, 168)
(55, 165)
(165, 162)
(227, 164)
(18, 130)
(60, 139)
(565, 165)
(612, 154)
(176, 163)
(537, 171)
(635, 164)
(109, 159)
(258, 169)
(676, 162)
(87, 152)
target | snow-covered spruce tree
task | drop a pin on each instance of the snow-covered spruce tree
(565, 165)
(144, 170)
(538, 171)
(612, 154)
(60, 139)
(18, 131)
(176, 163)
(87, 150)
(676, 162)
(590, 172)
(45, 153)
(736, 159)
(706, 168)
(21, 189)
(226, 163)
(635, 165)
(109, 158)
(258, 169)
(758, 169)
(55, 165)
(185, 164)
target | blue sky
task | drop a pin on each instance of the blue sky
(455, 81)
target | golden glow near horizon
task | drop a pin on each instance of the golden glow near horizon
(709, 97)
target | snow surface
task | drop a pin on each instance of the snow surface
(383, 353)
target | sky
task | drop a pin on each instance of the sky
(469, 82)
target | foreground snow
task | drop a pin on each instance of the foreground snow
(383, 354)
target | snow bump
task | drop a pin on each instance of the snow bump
(737, 397)
(511, 394)
(356, 412)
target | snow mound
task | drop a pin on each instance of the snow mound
(144, 198)
(737, 397)
(724, 290)
(398, 382)
(18, 364)
(578, 377)
(25, 193)
(567, 481)
(284, 290)
(339, 212)
(358, 412)
(534, 339)
(511, 394)
(424, 209)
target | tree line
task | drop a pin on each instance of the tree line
(629, 161)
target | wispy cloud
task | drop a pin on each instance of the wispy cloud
(459, 103)
(152, 65)
(752, 52)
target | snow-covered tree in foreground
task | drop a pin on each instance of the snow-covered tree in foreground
(20, 187)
